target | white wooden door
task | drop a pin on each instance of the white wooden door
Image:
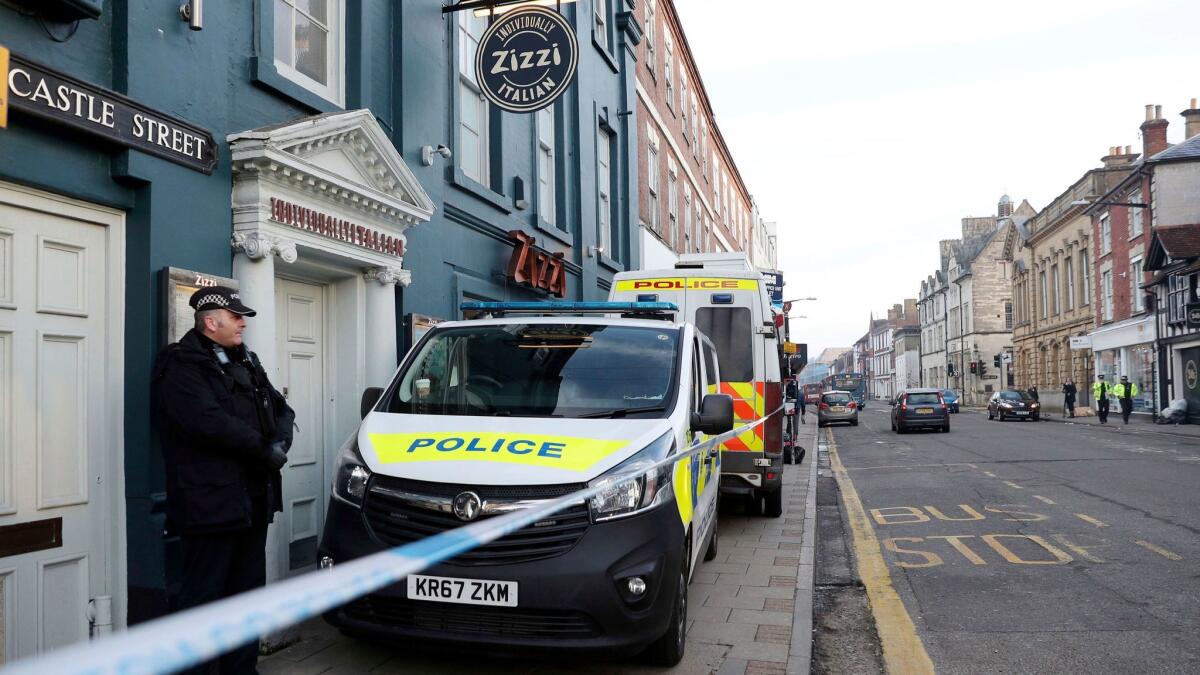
(53, 430)
(300, 312)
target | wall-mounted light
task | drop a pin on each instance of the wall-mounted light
(192, 12)
(595, 251)
(428, 151)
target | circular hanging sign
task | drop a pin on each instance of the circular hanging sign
(526, 59)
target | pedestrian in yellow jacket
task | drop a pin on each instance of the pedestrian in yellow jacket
(1101, 391)
(1125, 391)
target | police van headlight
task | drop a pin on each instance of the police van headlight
(630, 488)
(350, 475)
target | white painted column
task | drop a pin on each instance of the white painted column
(381, 321)
(254, 268)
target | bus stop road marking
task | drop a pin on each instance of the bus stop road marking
(1088, 519)
(1159, 550)
(1042, 499)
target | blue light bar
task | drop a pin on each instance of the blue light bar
(569, 307)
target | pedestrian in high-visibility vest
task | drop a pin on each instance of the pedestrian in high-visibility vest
(1100, 392)
(1125, 391)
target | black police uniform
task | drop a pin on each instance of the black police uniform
(220, 418)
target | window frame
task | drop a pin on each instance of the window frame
(1137, 303)
(604, 183)
(1106, 291)
(1069, 275)
(1135, 215)
(600, 24)
(653, 186)
(1085, 273)
(547, 153)
(1055, 289)
(290, 82)
(1105, 234)
(464, 74)
(650, 22)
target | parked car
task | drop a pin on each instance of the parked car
(1015, 404)
(916, 408)
(837, 406)
(951, 399)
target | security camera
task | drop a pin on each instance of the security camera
(427, 152)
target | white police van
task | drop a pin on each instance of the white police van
(726, 298)
(490, 415)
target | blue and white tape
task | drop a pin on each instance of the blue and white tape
(191, 637)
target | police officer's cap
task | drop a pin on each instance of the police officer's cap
(219, 297)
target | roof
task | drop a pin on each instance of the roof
(1187, 150)
(1171, 243)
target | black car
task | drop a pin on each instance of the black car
(1013, 404)
(916, 408)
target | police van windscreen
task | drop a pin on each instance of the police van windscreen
(732, 331)
(541, 370)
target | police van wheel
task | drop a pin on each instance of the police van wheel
(774, 502)
(711, 551)
(668, 649)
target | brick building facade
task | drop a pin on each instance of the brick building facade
(691, 197)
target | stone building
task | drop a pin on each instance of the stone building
(931, 311)
(979, 301)
(907, 357)
(1049, 266)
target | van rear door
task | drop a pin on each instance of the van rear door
(731, 328)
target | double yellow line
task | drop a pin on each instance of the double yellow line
(903, 651)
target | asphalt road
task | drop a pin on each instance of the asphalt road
(1036, 547)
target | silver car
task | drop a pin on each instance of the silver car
(837, 406)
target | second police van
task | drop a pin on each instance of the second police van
(490, 415)
(726, 298)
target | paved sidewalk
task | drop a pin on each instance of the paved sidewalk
(750, 609)
(1137, 423)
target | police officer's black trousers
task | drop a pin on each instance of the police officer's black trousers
(217, 566)
(1102, 410)
(1126, 408)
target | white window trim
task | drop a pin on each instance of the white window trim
(547, 208)
(600, 21)
(603, 194)
(1138, 302)
(335, 54)
(1135, 198)
(1105, 234)
(464, 80)
(1069, 273)
(1106, 289)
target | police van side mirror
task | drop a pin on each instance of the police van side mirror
(715, 416)
(370, 397)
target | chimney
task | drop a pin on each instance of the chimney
(946, 249)
(1192, 117)
(1154, 132)
(1118, 156)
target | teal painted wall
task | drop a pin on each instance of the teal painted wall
(400, 64)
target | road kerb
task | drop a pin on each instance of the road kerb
(903, 651)
(800, 657)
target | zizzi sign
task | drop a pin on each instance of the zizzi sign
(60, 98)
(538, 269)
(526, 59)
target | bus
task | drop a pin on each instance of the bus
(851, 382)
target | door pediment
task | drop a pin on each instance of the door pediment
(344, 157)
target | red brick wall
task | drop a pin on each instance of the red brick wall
(654, 84)
(1120, 256)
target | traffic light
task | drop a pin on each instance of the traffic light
(982, 368)
(974, 367)
(996, 360)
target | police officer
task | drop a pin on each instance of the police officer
(225, 434)
(1125, 391)
(1100, 392)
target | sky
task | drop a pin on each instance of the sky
(868, 129)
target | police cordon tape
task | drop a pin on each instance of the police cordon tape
(191, 637)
